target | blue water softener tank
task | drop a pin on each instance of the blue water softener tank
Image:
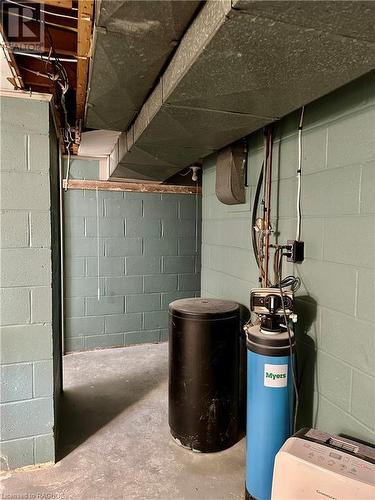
(270, 403)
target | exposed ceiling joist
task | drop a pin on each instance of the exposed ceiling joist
(85, 16)
(65, 4)
(48, 59)
(33, 82)
(60, 51)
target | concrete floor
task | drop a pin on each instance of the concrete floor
(116, 441)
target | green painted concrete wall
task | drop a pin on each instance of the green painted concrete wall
(148, 257)
(336, 334)
(82, 168)
(29, 329)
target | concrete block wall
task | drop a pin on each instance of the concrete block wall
(28, 388)
(149, 255)
(336, 331)
(82, 168)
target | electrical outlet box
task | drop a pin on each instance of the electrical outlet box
(296, 251)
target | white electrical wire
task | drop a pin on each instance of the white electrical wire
(291, 350)
(98, 240)
(44, 58)
(299, 171)
(64, 85)
(42, 10)
(38, 73)
(196, 217)
(67, 168)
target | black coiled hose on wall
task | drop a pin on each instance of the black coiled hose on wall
(254, 214)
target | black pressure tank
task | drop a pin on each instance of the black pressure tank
(206, 373)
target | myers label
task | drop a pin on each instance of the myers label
(275, 375)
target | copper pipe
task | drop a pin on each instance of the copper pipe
(262, 226)
(267, 203)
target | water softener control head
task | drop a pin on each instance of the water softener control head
(269, 301)
(270, 304)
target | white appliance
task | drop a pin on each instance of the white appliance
(316, 465)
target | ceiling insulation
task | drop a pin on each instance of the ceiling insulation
(133, 41)
(241, 65)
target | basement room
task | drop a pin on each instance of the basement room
(187, 249)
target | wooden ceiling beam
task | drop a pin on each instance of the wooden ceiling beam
(64, 4)
(85, 18)
(130, 186)
(59, 51)
(36, 83)
(66, 40)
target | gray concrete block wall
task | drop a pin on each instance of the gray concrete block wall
(148, 246)
(27, 392)
(336, 300)
(81, 168)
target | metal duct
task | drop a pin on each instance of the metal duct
(241, 66)
(133, 40)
